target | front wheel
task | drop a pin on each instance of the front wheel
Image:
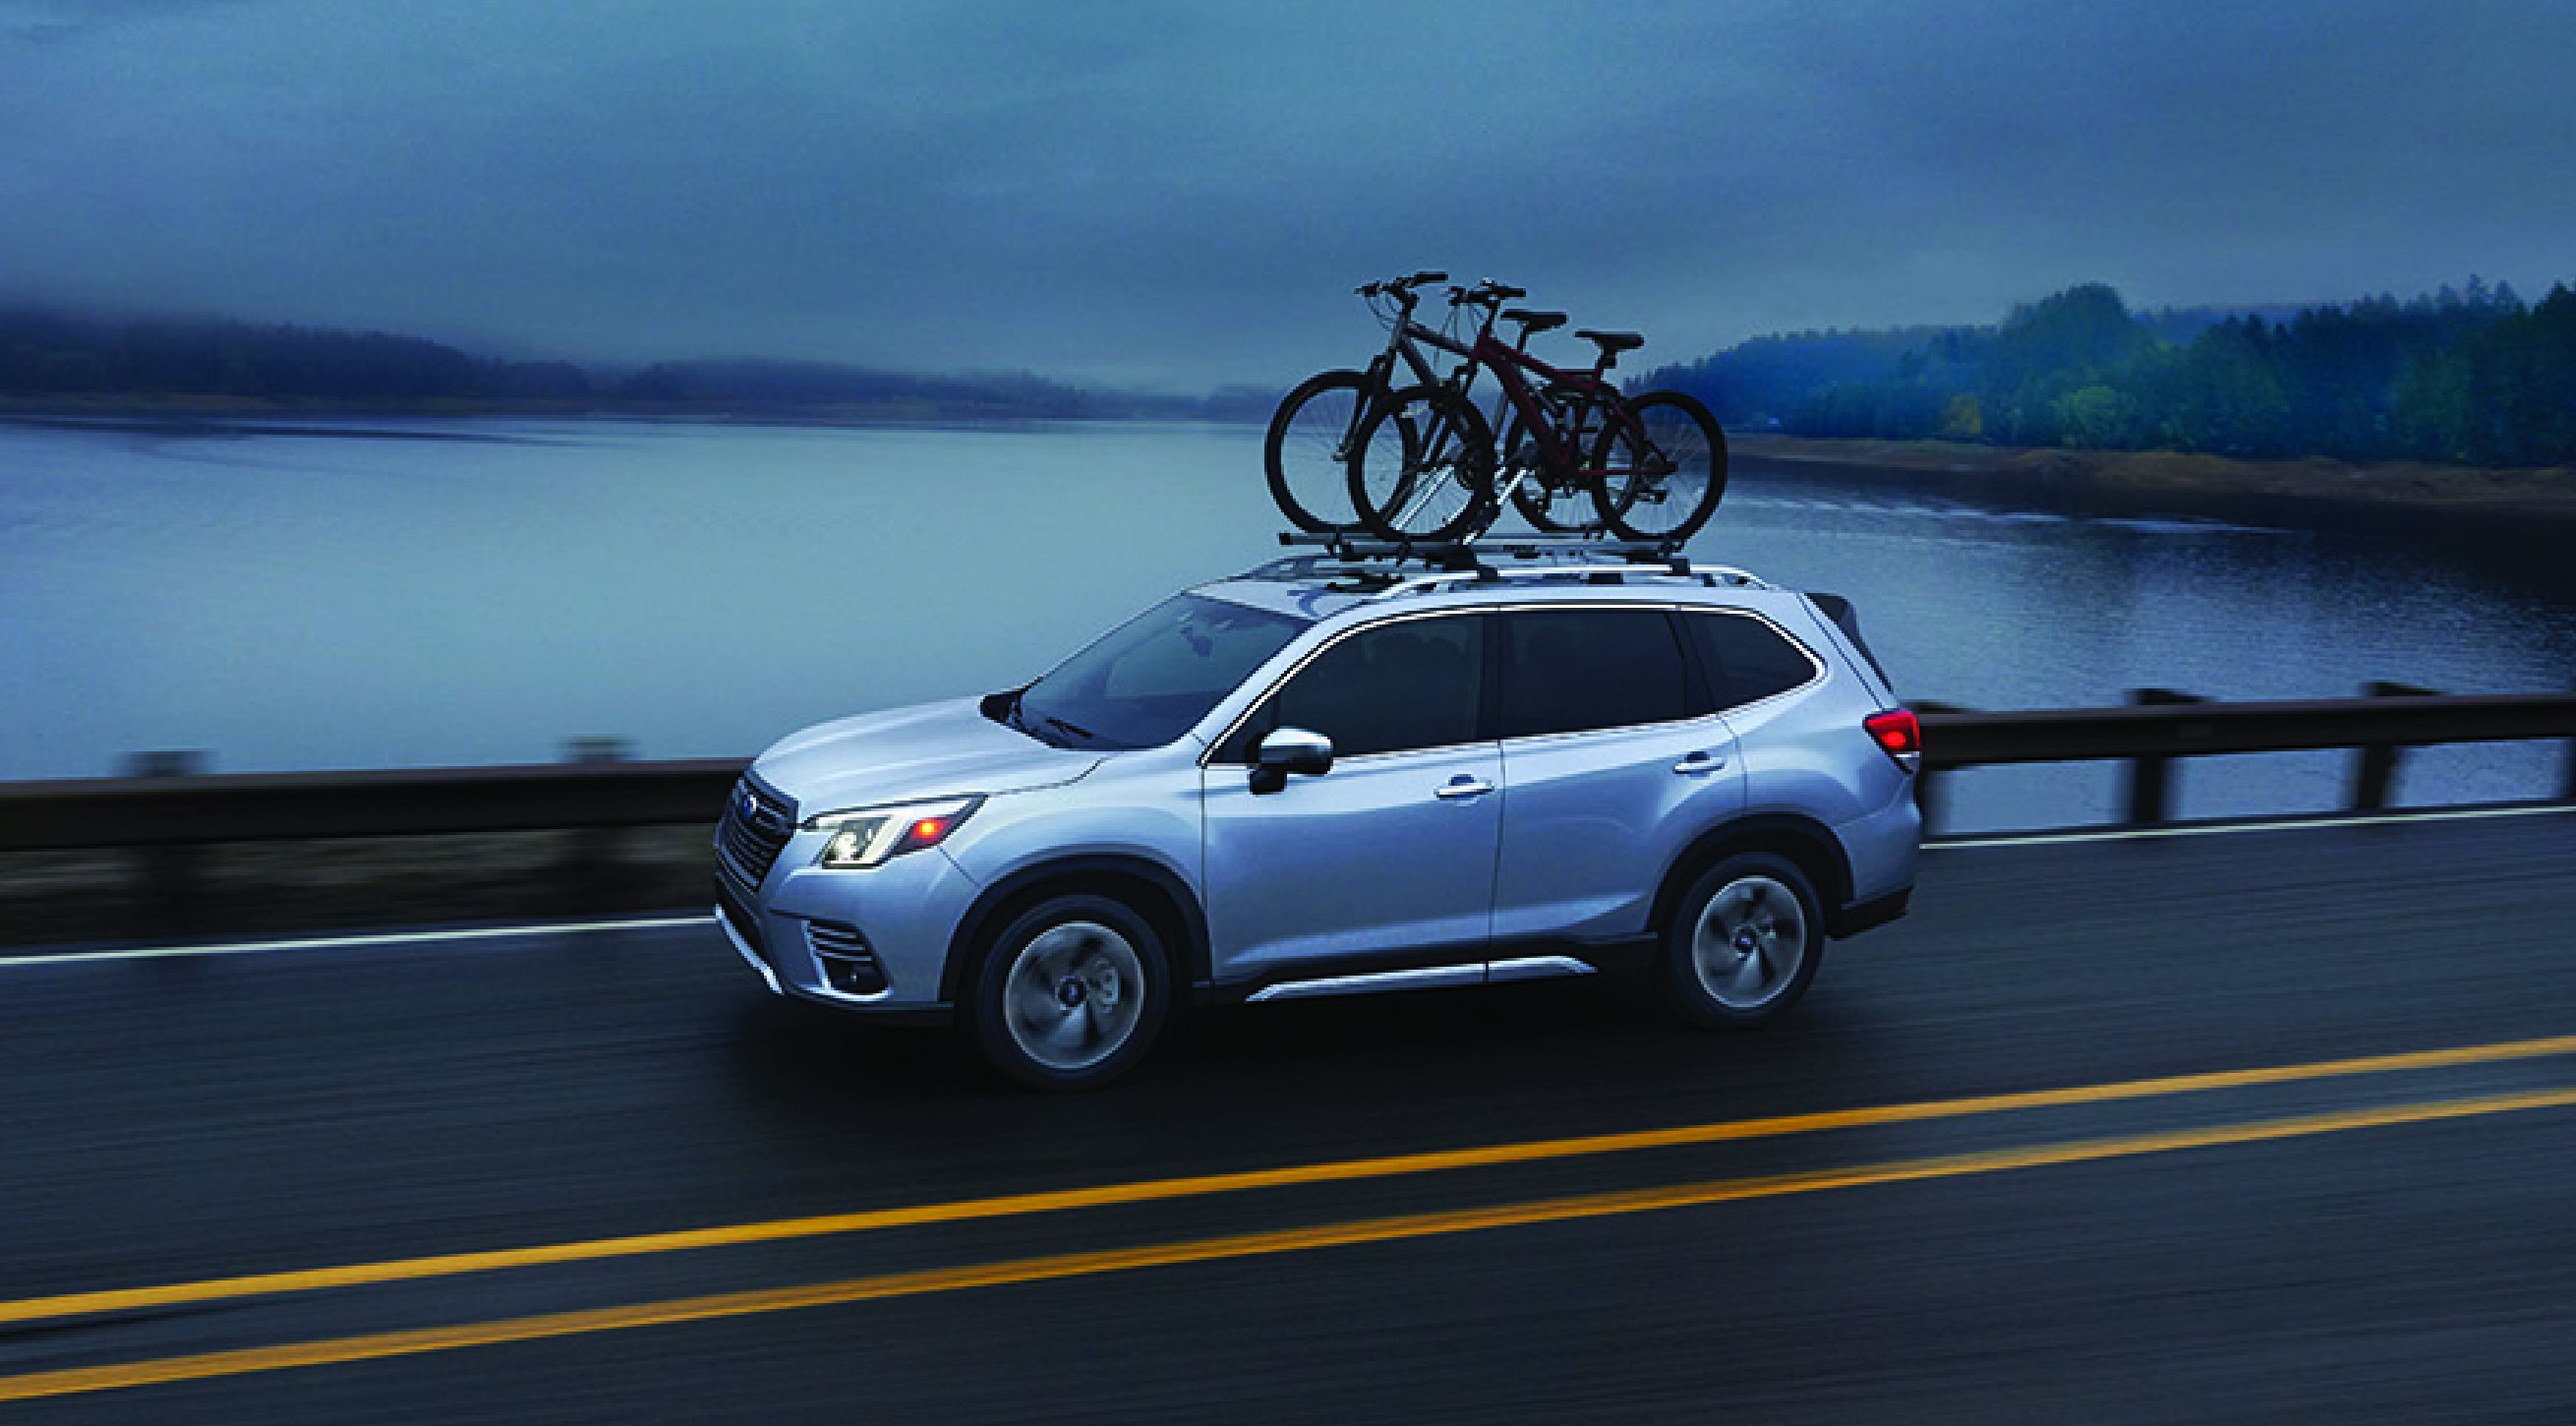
(1423, 468)
(1662, 470)
(1307, 451)
(1070, 993)
(1744, 943)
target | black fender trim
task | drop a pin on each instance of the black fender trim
(1868, 915)
(1786, 832)
(1184, 903)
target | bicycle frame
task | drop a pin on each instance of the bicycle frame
(1405, 340)
(1561, 463)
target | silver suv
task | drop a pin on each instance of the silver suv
(1323, 778)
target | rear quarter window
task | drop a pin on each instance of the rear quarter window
(1745, 659)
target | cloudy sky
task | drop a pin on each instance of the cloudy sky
(1177, 195)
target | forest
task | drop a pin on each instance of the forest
(48, 356)
(2466, 376)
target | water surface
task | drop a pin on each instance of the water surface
(328, 599)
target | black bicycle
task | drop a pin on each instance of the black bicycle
(1426, 468)
(1314, 432)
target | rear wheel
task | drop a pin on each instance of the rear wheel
(1071, 993)
(1744, 942)
(1666, 488)
(1423, 468)
(1307, 452)
(1550, 508)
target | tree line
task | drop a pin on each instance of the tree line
(2466, 376)
(47, 354)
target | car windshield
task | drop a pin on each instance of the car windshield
(1152, 678)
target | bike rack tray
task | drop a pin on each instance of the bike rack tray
(1473, 552)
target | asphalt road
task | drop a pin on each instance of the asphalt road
(2390, 1240)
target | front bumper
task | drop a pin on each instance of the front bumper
(871, 940)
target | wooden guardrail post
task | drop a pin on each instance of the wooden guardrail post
(595, 856)
(169, 879)
(2376, 768)
(1930, 783)
(2567, 792)
(2151, 774)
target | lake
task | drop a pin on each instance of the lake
(391, 593)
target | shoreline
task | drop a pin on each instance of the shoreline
(2127, 483)
(2300, 491)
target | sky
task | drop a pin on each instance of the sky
(1178, 196)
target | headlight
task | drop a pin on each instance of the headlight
(869, 836)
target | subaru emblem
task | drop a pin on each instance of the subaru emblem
(750, 805)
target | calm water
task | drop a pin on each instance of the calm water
(479, 592)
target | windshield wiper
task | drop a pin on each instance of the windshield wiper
(1075, 729)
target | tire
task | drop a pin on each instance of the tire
(1305, 451)
(1070, 993)
(1423, 468)
(1549, 509)
(1743, 943)
(1669, 507)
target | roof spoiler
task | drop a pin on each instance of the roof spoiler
(1846, 618)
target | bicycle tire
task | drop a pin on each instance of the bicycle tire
(1423, 431)
(1304, 450)
(1682, 433)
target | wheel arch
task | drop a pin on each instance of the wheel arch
(1806, 843)
(1152, 890)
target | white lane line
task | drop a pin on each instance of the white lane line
(384, 938)
(2303, 824)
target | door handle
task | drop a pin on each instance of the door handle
(1698, 763)
(1462, 786)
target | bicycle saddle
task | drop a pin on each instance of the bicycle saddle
(1612, 341)
(1535, 321)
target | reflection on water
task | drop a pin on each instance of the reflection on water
(302, 601)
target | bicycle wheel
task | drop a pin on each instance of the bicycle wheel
(1667, 489)
(1423, 467)
(1551, 506)
(1307, 453)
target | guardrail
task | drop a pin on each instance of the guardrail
(170, 808)
(2159, 725)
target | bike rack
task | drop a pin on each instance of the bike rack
(1468, 554)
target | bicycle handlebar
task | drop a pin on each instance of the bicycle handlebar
(1397, 286)
(1487, 293)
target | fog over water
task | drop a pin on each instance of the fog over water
(1180, 195)
(320, 601)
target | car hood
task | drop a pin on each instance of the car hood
(930, 750)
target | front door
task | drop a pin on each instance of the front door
(1390, 854)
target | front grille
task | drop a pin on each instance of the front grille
(756, 825)
(847, 962)
(739, 917)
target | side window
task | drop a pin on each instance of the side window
(1567, 670)
(1746, 659)
(1415, 683)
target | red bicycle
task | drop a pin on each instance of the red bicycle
(1425, 466)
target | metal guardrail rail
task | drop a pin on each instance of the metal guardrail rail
(2157, 727)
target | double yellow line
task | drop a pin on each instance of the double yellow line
(1039, 1269)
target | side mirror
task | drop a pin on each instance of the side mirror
(1289, 750)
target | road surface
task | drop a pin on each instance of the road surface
(2268, 1126)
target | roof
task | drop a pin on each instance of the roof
(1320, 586)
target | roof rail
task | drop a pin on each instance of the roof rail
(1488, 561)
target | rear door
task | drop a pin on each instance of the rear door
(1610, 764)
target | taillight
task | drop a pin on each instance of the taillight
(1897, 733)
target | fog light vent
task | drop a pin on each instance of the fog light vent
(849, 966)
